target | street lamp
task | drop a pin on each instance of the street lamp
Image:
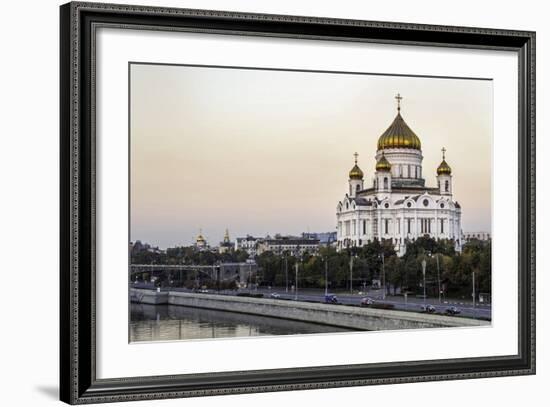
(326, 275)
(436, 255)
(351, 257)
(286, 272)
(438, 277)
(424, 278)
(383, 277)
(474, 291)
(296, 284)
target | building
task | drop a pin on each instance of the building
(291, 245)
(201, 243)
(226, 245)
(138, 247)
(467, 236)
(325, 238)
(398, 205)
(248, 244)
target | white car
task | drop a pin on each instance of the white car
(275, 295)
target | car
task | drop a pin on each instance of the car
(430, 309)
(452, 311)
(366, 301)
(331, 299)
(275, 295)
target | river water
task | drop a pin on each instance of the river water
(169, 322)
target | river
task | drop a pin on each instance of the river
(169, 322)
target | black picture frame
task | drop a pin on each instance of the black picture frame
(78, 382)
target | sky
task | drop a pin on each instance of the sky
(267, 151)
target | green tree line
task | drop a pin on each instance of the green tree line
(446, 269)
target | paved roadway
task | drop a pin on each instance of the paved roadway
(413, 304)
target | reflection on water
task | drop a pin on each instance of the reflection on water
(168, 322)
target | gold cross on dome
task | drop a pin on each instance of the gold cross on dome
(443, 151)
(398, 97)
(355, 155)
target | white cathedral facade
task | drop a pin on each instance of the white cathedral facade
(398, 205)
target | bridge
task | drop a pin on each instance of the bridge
(179, 273)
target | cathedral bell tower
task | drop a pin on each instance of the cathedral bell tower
(355, 179)
(444, 177)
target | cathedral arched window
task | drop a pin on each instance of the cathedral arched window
(447, 186)
(357, 188)
(385, 183)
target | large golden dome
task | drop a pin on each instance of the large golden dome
(399, 134)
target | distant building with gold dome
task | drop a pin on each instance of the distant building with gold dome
(398, 205)
(200, 242)
(227, 245)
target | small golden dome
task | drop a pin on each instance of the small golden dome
(399, 134)
(444, 168)
(355, 172)
(200, 237)
(383, 164)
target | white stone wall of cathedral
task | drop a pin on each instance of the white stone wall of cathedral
(358, 226)
(441, 179)
(355, 185)
(383, 183)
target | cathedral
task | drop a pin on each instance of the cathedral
(398, 206)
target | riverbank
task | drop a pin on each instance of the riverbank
(328, 314)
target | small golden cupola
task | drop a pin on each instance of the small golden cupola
(200, 238)
(399, 134)
(444, 168)
(383, 164)
(355, 172)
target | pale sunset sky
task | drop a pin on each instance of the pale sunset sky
(265, 151)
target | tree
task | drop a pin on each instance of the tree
(394, 272)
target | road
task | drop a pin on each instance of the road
(413, 304)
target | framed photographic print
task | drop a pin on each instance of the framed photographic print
(256, 203)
